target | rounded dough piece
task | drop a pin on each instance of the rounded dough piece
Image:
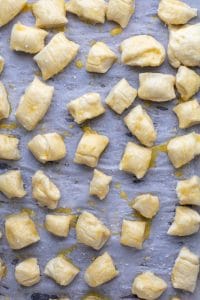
(120, 11)
(133, 233)
(10, 9)
(11, 184)
(9, 147)
(188, 113)
(188, 191)
(58, 225)
(147, 205)
(2, 63)
(142, 51)
(99, 185)
(27, 273)
(4, 104)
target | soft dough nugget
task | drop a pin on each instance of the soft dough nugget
(12, 185)
(2, 63)
(27, 273)
(88, 10)
(100, 271)
(9, 9)
(9, 147)
(142, 51)
(147, 205)
(148, 286)
(120, 11)
(47, 147)
(133, 233)
(49, 13)
(56, 55)
(184, 45)
(136, 160)
(156, 87)
(100, 58)
(4, 104)
(188, 191)
(188, 113)
(175, 12)
(140, 124)
(58, 225)
(86, 107)
(99, 185)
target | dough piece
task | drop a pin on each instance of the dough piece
(121, 96)
(186, 222)
(11, 184)
(142, 51)
(45, 191)
(187, 82)
(100, 58)
(91, 231)
(188, 113)
(88, 10)
(133, 233)
(61, 270)
(148, 286)
(2, 62)
(182, 149)
(34, 104)
(49, 13)
(188, 191)
(9, 147)
(86, 107)
(56, 55)
(90, 148)
(47, 147)
(120, 11)
(27, 39)
(147, 205)
(4, 104)
(184, 46)
(58, 224)
(185, 271)
(100, 271)
(136, 160)
(3, 269)
(140, 124)
(175, 12)
(9, 9)
(20, 231)
(99, 186)
(156, 87)
(27, 273)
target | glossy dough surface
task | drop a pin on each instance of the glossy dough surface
(99, 185)
(188, 191)
(9, 9)
(4, 104)
(27, 273)
(120, 11)
(12, 185)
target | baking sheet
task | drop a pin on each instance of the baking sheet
(73, 180)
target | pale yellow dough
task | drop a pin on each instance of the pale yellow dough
(188, 113)
(188, 191)
(2, 63)
(120, 11)
(133, 233)
(4, 104)
(147, 205)
(99, 185)
(9, 147)
(3, 269)
(58, 225)
(9, 9)
(12, 185)
(27, 273)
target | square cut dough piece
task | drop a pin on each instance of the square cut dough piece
(99, 186)
(185, 271)
(86, 107)
(2, 63)
(58, 225)
(56, 55)
(27, 273)
(4, 104)
(49, 13)
(147, 205)
(90, 148)
(188, 191)
(133, 233)
(100, 58)
(9, 9)
(175, 12)
(188, 113)
(20, 231)
(100, 271)
(121, 96)
(88, 10)
(156, 87)
(61, 271)
(120, 11)
(9, 147)
(136, 160)
(12, 185)
(34, 104)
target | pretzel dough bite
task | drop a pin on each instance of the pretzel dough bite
(10, 9)
(3, 269)
(140, 124)
(133, 233)
(148, 286)
(86, 107)
(90, 148)
(120, 11)
(175, 12)
(12, 185)
(188, 113)
(121, 96)
(186, 222)
(45, 191)
(47, 147)
(156, 87)
(2, 62)
(100, 271)
(4, 104)
(99, 185)
(9, 147)
(61, 271)
(49, 13)
(142, 51)
(58, 224)
(100, 58)
(27, 273)
(91, 231)
(88, 10)
(20, 231)
(56, 55)
(185, 271)
(184, 45)
(188, 191)
(147, 205)
(136, 160)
